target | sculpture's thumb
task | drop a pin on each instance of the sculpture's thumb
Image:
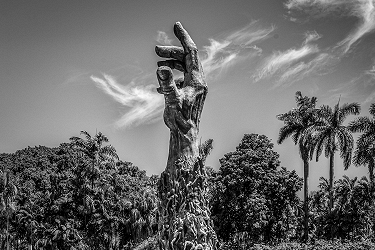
(165, 78)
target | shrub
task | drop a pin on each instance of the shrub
(318, 245)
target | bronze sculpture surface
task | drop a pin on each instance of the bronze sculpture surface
(184, 214)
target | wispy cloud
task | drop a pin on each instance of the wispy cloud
(343, 90)
(303, 69)
(76, 77)
(311, 36)
(364, 10)
(144, 102)
(163, 38)
(218, 56)
(371, 72)
(326, 5)
(365, 85)
(234, 47)
(369, 99)
(289, 61)
(360, 88)
(282, 60)
(292, 65)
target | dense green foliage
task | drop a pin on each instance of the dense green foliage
(80, 195)
(353, 213)
(62, 204)
(318, 245)
(254, 199)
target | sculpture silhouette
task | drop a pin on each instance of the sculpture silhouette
(184, 214)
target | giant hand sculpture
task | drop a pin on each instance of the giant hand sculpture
(184, 98)
(184, 214)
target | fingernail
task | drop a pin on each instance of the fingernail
(163, 73)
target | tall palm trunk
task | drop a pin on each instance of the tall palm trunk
(306, 198)
(371, 177)
(331, 176)
(371, 171)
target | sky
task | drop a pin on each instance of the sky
(70, 65)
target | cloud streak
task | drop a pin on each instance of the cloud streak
(282, 60)
(163, 38)
(287, 65)
(364, 10)
(234, 47)
(371, 72)
(311, 36)
(292, 65)
(145, 104)
(303, 69)
(360, 87)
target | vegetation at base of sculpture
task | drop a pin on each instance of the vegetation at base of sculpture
(49, 199)
(184, 221)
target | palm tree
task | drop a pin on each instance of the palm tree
(8, 192)
(330, 133)
(365, 151)
(296, 124)
(93, 148)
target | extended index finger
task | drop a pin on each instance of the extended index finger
(184, 38)
(170, 52)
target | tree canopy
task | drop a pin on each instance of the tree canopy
(58, 206)
(254, 197)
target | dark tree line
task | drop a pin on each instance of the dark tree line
(254, 200)
(317, 130)
(80, 195)
(75, 196)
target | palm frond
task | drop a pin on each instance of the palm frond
(320, 142)
(325, 111)
(361, 124)
(323, 184)
(346, 144)
(284, 133)
(87, 135)
(348, 109)
(108, 151)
